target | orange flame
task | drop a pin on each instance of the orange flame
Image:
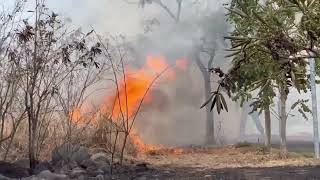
(134, 88)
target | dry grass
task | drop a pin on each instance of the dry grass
(227, 157)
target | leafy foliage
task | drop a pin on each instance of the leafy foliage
(269, 46)
(302, 108)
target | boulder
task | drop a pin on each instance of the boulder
(100, 157)
(25, 163)
(88, 163)
(70, 153)
(13, 171)
(104, 167)
(48, 175)
(4, 178)
(32, 178)
(142, 167)
(77, 172)
(100, 177)
(95, 172)
(42, 166)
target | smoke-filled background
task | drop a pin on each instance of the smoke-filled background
(174, 117)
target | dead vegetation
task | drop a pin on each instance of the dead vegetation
(248, 155)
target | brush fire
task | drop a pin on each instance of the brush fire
(134, 88)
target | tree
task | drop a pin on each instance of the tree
(11, 111)
(46, 54)
(268, 42)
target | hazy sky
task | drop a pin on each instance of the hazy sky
(112, 16)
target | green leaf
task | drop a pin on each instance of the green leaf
(303, 114)
(233, 54)
(259, 18)
(207, 102)
(237, 38)
(238, 12)
(224, 102)
(305, 108)
(219, 108)
(295, 105)
(213, 103)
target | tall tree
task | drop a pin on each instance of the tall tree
(46, 54)
(268, 42)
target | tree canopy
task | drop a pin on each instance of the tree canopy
(270, 42)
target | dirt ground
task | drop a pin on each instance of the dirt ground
(232, 162)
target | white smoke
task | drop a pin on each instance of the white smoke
(182, 122)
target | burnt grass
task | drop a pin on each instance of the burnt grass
(275, 173)
(287, 173)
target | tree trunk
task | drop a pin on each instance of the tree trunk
(283, 123)
(246, 109)
(123, 147)
(243, 122)
(267, 118)
(210, 118)
(32, 146)
(314, 108)
(207, 88)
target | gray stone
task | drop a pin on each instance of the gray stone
(82, 177)
(4, 178)
(105, 168)
(88, 163)
(42, 166)
(95, 172)
(142, 178)
(32, 178)
(100, 157)
(25, 163)
(13, 171)
(77, 172)
(47, 175)
(100, 177)
(69, 153)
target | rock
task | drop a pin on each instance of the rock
(142, 178)
(100, 177)
(48, 175)
(70, 153)
(88, 163)
(141, 167)
(42, 166)
(95, 172)
(4, 178)
(208, 177)
(82, 177)
(32, 178)
(64, 169)
(77, 172)
(13, 171)
(25, 163)
(100, 157)
(105, 168)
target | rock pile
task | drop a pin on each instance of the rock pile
(68, 162)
